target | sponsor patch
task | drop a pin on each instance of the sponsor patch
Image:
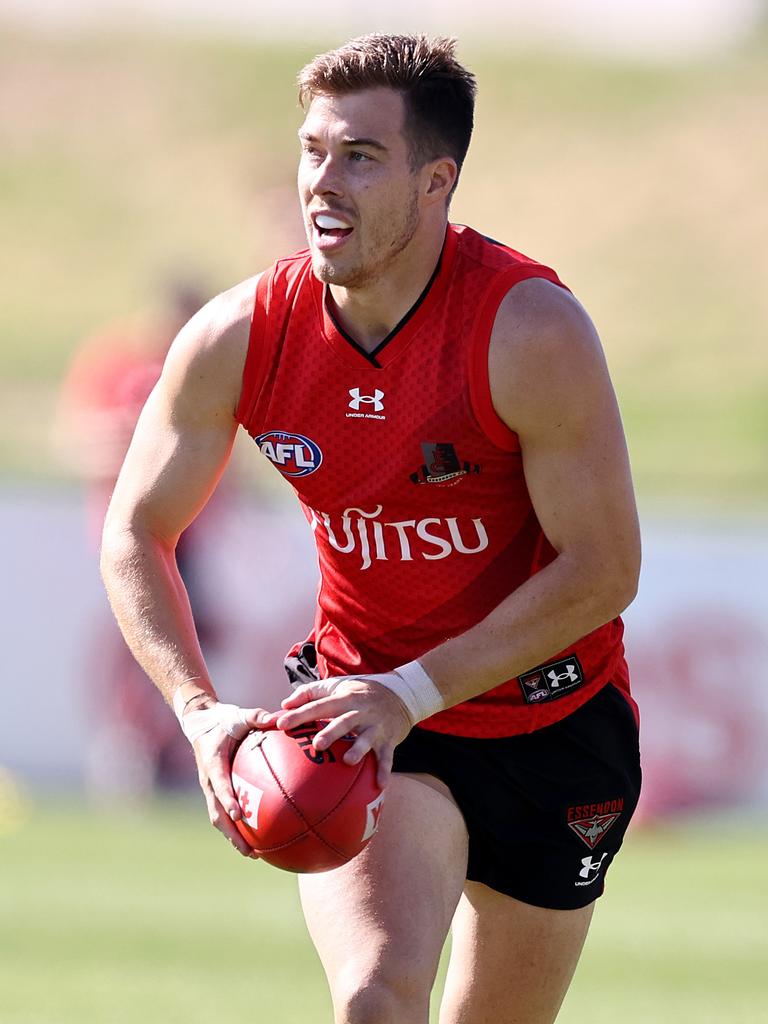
(590, 822)
(441, 465)
(293, 454)
(548, 682)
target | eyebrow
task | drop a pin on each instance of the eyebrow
(346, 141)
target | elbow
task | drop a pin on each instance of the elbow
(621, 586)
(120, 546)
(116, 547)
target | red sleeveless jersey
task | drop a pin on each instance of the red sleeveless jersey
(411, 483)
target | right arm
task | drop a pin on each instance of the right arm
(181, 445)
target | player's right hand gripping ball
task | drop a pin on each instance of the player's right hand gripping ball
(304, 810)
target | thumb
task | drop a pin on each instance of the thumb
(258, 718)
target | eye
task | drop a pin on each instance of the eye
(358, 158)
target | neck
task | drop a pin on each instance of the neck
(368, 314)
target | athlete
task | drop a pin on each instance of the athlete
(442, 407)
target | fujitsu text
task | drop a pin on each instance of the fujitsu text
(373, 540)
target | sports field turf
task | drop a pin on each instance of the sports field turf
(128, 917)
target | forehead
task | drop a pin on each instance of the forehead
(368, 114)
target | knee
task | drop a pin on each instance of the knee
(378, 999)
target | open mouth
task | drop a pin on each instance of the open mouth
(331, 229)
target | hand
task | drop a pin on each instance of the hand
(359, 705)
(214, 730)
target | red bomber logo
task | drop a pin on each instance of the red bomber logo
(590, 822)
(365, 534)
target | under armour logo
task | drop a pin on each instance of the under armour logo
(591, 865)
(570, 675)
(375, 399)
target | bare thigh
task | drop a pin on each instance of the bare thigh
(511, 963)
(379, 922)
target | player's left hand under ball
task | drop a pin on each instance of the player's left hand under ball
(376, 716)
(214, 730)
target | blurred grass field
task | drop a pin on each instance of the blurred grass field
(130, 916)
(127, 159)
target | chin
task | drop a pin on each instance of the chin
(329, 273)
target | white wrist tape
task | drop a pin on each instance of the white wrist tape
(415, 689)
(199, 721)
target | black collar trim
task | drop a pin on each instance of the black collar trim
(371, 356)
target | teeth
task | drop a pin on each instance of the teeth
(328, 223)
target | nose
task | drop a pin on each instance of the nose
(326, 179)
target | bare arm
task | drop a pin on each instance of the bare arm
(179, 450)
(549, 384)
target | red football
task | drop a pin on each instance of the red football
(303, 809)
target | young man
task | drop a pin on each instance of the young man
(442, 407)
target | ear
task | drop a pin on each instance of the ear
(440, 178)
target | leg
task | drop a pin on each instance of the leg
(379, 922)
(511, 963)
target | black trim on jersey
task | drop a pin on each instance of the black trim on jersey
(371, 356)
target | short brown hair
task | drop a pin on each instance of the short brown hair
(438, 92)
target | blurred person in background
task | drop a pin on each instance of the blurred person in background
(133, 747)
(442, 406)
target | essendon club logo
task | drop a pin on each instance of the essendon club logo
(441, 465)
(590, 822)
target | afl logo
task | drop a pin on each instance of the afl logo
(293, 454)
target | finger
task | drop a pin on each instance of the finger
(327, 707)
(363, 743)
(335, 730)
(220, 781)
(385, 757)
(227, 829)
(258, 718)
(221, 821)
(307, 692)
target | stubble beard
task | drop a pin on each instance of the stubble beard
(383, 253)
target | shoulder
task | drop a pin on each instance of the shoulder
(206, 360)
(544, 351)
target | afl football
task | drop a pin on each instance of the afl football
(304, 810)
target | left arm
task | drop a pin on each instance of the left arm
(550, 384)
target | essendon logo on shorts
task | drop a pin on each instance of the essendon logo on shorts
(590, 822)
(548, 682)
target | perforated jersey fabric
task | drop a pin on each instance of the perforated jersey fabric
(411, 483)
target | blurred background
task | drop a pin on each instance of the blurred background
(147, 160)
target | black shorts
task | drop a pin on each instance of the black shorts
(546, 811)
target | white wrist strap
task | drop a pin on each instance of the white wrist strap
(199, 721)
(415, 689)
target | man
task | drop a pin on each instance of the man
(442, 407)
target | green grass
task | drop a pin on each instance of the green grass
(126, 158)
(131, 917)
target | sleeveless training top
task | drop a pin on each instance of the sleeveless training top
(412, 484)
